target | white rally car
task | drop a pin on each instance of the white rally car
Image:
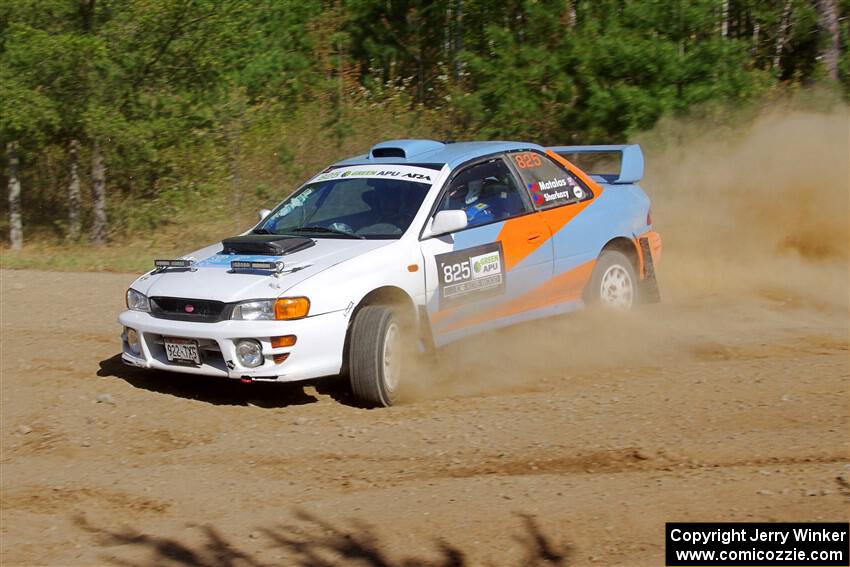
(417, 243)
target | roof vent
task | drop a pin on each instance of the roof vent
(388, 152)
(404, 149)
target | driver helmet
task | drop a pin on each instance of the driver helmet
(467, 194)
(473, 191)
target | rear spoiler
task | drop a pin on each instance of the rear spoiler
(631, 160)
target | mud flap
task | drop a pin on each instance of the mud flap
(649, 292)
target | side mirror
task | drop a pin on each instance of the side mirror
(263, 213)
(447, 221)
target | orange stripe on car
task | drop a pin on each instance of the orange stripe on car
(562, 288)
(515, 233)
(517, 238)
(441, 315)
(517, 245)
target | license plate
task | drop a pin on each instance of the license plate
(183, 351)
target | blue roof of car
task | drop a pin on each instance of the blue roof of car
(416, 152)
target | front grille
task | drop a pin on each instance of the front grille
(183, 309)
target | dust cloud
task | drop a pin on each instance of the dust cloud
(755, 221)
(756, 209)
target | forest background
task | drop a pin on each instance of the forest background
(133, 126)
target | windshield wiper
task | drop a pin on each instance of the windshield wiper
(261, 231)
(318, 228)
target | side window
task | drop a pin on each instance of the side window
(548, 184)
(487, 192)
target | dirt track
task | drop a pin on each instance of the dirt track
(104, 464)
(567, 442)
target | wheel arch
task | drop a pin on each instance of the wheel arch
(384, 295)
(627, 247)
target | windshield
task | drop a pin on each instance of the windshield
(353, 203)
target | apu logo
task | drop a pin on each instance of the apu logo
(189, 308)
(485, 264)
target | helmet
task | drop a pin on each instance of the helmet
(463, 195)
(473, 191)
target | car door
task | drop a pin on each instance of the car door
(484, 276)
(560, 199)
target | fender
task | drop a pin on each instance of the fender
(342, 287)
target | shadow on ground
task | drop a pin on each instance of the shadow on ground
(224, 391)
(313, 542)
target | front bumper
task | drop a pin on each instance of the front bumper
(317, 352)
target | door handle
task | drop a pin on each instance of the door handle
(534, 236)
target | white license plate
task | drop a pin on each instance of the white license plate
(184, 351)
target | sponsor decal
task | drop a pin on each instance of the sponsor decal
(486, 264)
(402, 172)
(386, 173)
(578, 192)
(418, 176)
(297, 201)
(548, 191)
(360, 173)
(471, 274)
(328, 175)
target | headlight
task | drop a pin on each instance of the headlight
(254, 311)
(284, 309)
(137, 301)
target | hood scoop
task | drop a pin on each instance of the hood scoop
(265, 244)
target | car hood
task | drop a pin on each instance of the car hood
(211, 277)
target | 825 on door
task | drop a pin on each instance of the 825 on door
(471, 274)
(456, 272)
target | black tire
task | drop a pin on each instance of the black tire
(372, 382)
(605, 289)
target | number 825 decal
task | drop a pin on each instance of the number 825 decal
(527, 160)
(471, 274)
(456, 272)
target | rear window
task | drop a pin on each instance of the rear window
(548, 184)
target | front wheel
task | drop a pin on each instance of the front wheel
(614, 282)
(377, 351)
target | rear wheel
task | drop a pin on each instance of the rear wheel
(377, 352)
(614, 282)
